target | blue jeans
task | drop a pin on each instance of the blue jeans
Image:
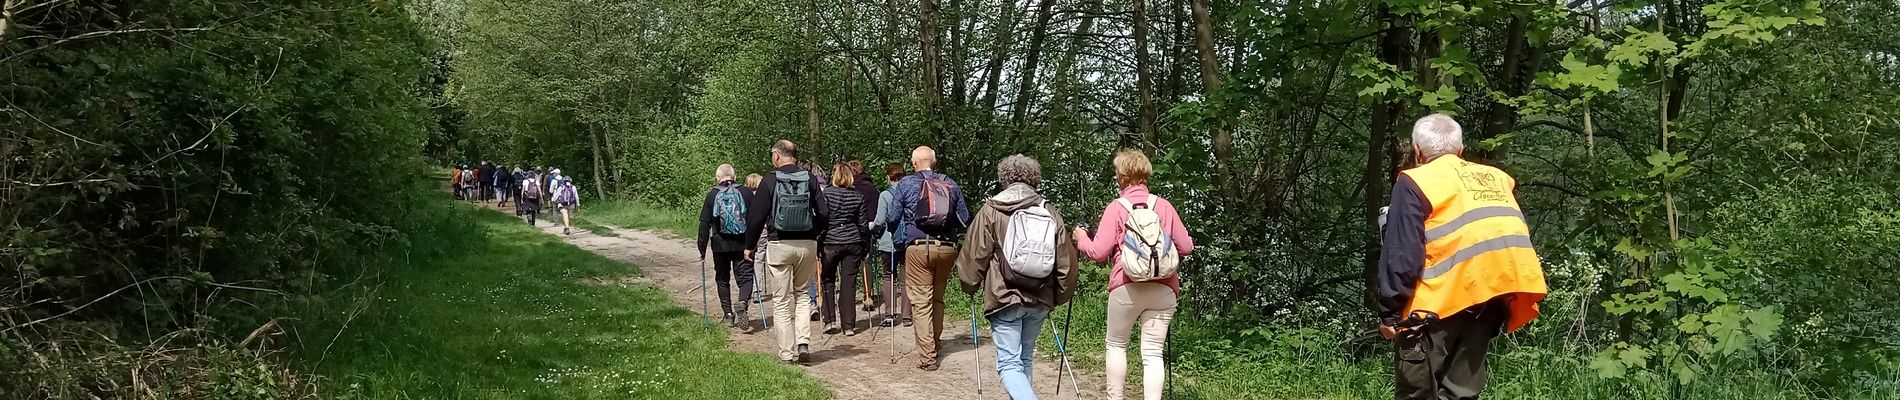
(1014, 329)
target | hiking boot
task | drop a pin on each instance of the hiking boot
(907, 322)
(831, 328)
(728, 320)
(889, 321)
(815, 316)
(928, 365)
(567, 231)
(804, 354)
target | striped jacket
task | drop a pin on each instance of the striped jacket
(845, 222)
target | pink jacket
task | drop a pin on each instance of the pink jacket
(1108, 235)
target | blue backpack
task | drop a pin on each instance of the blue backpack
(729, 209)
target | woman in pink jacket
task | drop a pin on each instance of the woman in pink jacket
(1151, 303)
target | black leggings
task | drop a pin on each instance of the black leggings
(841, 295)
(724, 265)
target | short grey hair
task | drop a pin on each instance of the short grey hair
(1019, 169)
(725, 173)
(1437, 135)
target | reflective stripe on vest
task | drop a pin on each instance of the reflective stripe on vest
(1477, 243)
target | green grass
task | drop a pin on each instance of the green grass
(638, 215)
(514, 318)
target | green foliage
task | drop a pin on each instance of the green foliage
(525, 315)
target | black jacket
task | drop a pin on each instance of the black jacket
(709, 224)
(759, 212)
(1402, 250)
(844, 223)
(868, 191)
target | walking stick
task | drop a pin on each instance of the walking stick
(1062, 352)
(890, 298)
(976, 339)
(705, 308)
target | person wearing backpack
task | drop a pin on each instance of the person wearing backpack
(531, 195)
(566, 199)
(1016, 253)
(788, 202)
(503, 179)
(722, 224)
(843, 252)
(897, 308)
(931, 215)
(455, 181)
(758, 268)
(1145, 236)
(867, 190)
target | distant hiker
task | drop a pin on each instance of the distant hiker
(897, 306)
(758, 268)
(789, 202)
(531, 197)
(484, 181)
(467, 188)
(455, 181)
(1456, 266)
(1146, 238)
(867, 212)
(843, 252)
(503, 179)
(1017, 254)
(930, 214)
(722, 223)
(566, 199)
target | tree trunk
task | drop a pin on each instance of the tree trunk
(1144, 81)
(1394, 48)
(1003, 34)
(1210, 84)
(1065, 79)
(811, 112)
(1502, 117)
(959, 55)
(613, 162)
(593, 136)
(1026, 91)
(929, 16)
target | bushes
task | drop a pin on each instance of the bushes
(190, 170)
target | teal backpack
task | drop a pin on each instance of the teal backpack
(791, 202)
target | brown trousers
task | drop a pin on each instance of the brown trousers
(926, 273)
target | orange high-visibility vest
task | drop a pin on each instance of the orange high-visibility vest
(1477, 244)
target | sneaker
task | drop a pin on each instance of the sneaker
(815, 316)
(804, 354)
(728, 320)
(907, 322)
(850, 330)
(930, 365)
(831, 328)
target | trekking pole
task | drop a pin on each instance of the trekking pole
(890, 298)
(705, 308)
(976, 341)
(1062, 353)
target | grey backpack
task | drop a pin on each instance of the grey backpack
(791, 202)
(1029, 248)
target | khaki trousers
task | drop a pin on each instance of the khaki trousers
(926, 272)
(790, 266)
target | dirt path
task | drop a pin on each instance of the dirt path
(858, 367)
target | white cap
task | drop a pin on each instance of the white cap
(556, 171)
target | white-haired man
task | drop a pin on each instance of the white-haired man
(1456, 266)
(722, 226)
(930, 215)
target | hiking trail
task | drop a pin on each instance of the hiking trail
(852, 367)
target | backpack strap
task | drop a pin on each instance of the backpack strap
(1128, 204)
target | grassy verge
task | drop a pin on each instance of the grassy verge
(637, 215)
(515, 317)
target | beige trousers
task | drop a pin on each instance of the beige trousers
(1151, 305)
(790, 265)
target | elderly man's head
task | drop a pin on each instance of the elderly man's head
(724, 173)
(1019, 169)
(923, 158)
(1437, 135)
(784, 153)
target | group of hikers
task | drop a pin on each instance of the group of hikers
(1456, 267)
(523, 189)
